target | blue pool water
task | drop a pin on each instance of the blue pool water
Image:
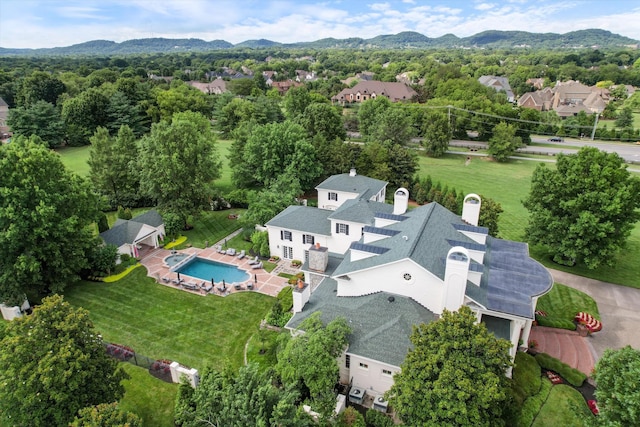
(206, 270)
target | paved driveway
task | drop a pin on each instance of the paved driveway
(619, 308)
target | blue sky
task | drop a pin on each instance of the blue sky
(50, 23)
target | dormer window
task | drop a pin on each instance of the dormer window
(333, 196)
(342, 228)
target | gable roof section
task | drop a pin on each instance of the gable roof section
(125, 231)
(422, 236)
(360, 210)
(395, 91)
(150, 217)
(303, 218)
(359, 184)
(380, 328)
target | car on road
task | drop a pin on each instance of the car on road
(555, 139)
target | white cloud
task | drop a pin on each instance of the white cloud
(77, 12)
(484, 6)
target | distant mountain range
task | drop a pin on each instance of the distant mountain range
(404, 40)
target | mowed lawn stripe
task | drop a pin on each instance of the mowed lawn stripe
(164, 323)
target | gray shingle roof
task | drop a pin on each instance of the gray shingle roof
(360, 210)
(124, 231)
(303, 218)
(380, 329)
(359, 184)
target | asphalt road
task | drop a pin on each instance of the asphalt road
(628, 151)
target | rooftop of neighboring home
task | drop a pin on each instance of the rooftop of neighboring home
(395, 91)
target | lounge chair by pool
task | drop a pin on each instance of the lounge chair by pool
(258, 265)
(241, 254)
(231, 251)
(254, 261)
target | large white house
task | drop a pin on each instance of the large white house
(385, 268)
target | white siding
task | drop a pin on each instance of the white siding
(372, 379)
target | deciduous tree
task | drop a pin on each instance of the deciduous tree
(437, 134)
(178, 163)
(106, 415)
(309, 360)
(54, 364)
(504, 142)
(617, 374)
(583, 210)
(455, 375)
(45, 217)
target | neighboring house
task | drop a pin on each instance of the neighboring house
(386, 269)
(284, 86)
(4, 114)
(364, 90)
(537, 83)
(130, 236)
(498, 83)
(215, 87)
(567, 99)
(305, 76)
(269, 77)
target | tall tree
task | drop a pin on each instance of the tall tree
(585, 209)
(295, 101)
(455, 375)
(83, 114)
(53, 365)
(45, 218)
(625, 118)
(250, 398)
(392, 125)
(437, 134)
(178, 163)
(309, 360)
(40, 118)
(324, 120)
(106, 415)
(278, 148)
(182, 97)
(617, 374)
(39, 86)
(113, 166)
(504, 142)
(369, 113)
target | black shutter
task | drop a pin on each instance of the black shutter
(281, 234)
(346, 229)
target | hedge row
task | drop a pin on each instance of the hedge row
(573, 376)
(533, 404)
(526, 377)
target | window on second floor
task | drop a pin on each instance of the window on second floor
(308, 238)
(342, 228)
(333, 196)
(285, 235)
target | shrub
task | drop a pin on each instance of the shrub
(533, 404)
(285, 296)
(554, 322)
(526, 377)
(378, 419)
(572, 375)
(350, 418)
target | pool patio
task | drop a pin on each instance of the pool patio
(267, 283)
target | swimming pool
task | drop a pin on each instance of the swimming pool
(206, 270)
(174, 259)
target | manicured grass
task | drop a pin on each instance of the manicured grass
(508, 184)
(565, 407)
(164, 323)
(211, 226)
(75, 159)
(151, 399)
(263, 347)
(224, 182)
(526, 377)
(563, 302)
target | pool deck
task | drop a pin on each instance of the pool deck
(267, 283)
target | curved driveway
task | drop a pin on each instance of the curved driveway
(619, 308)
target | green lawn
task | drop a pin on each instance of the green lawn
(508, 184)
(565, 407)
(75, 159)
(151, 399)
(263, 347)
(212, 226)
(165, 323)
(563, 302)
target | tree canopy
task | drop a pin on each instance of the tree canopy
(178, 163)
(584, 210)
(617, 374)
(308, 360)
(504, 142)
(455, 375)
(45, 218)
(54, 364)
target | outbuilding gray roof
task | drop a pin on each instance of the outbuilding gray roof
(363, 185)
(381, 323)
(125, 231)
